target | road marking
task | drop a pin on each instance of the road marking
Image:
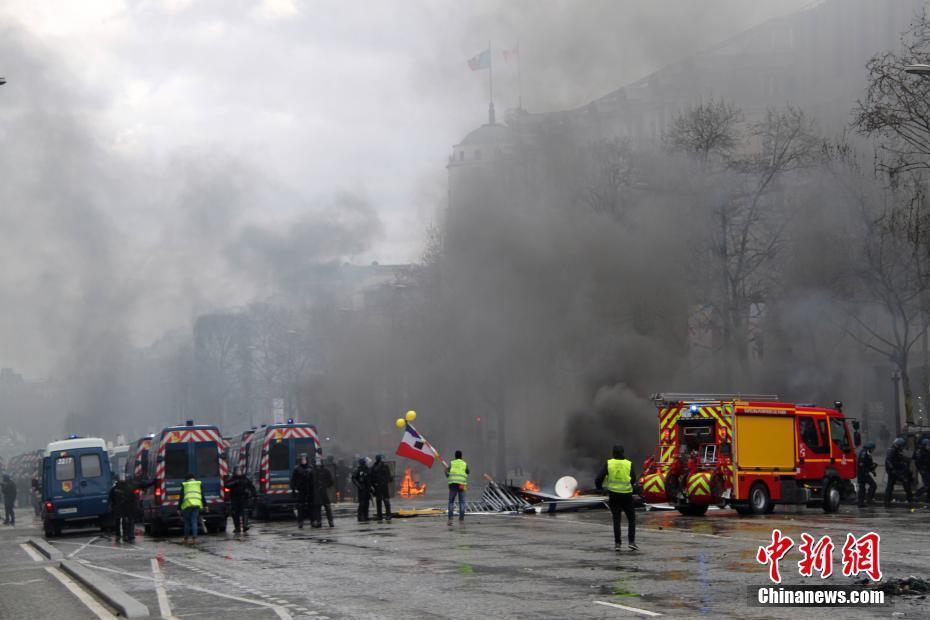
(82, 547)
(20, 583)
(635, 610)
(32, 552)
(99, 610)
(164, 605)
(280, 611)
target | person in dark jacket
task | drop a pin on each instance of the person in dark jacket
(381, 486)
(117, 505)
(922, 463)
(361, 480)
(323, 484)
(896, 470)
(241, 490)
(866, 467)
(619, 475)
(302, 487)
(8, 488)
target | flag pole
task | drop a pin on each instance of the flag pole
(426, 441)
(490, 85)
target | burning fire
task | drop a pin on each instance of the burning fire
(409, 488)
(531, 486)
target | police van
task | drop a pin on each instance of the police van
(76, 481)
(118, 456)
(273, 453)
(137, 459)
(175, 452)
(239, 449)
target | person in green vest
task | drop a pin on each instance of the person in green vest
(191, 505)
(457, 473)
(618, 473)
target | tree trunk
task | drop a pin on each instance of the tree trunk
(908, 394)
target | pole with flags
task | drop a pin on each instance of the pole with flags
(482, 60)
(413, 444)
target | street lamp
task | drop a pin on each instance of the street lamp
(918, 69)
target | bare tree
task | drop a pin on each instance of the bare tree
(896, 108)
(745, 230)
(706, 130)
(889, 312)
(607, 172)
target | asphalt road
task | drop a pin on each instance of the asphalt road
(540, 566)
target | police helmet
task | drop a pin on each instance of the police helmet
(869, 446)
(898, 442)
(361, 461)
(379, 458)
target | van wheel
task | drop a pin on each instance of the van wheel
(147, 528)
(831, 497)
(157, 528)
(743, 511)
(52, 528)
(692, 510)
(759, 499)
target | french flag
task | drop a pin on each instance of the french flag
(412, 446)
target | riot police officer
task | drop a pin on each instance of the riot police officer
(922, 463)
(896, 470)
(361, 479)
(864, 475)
(302, 487)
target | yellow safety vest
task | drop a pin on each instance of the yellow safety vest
(191, 494)
(458, 472)
(618, 476)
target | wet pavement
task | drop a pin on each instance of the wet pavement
(541, 566)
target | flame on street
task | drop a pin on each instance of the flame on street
(409, 488)
(531, 486)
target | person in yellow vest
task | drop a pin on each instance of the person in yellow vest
(457, 473)
(191, 505)
(618, 473)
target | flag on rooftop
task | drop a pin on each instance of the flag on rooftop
(480, 61)
(511, 53)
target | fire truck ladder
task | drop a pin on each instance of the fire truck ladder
(686, 398)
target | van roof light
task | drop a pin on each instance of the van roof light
(189, 423)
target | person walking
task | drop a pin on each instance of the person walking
(8, 489)
(191, 505)
(117, 500)
(323, 484)
(302, 487)
(241, 490)
(381, 486)
(618, 473)
(896, 470)
(361, 480)
(866, 466)
(457, 473)
(922, 463)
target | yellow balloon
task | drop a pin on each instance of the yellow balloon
(411, 415)
(400, 423)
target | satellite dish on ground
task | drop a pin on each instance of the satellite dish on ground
(566, 487)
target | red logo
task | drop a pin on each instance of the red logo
(773, 553)
(860, 555)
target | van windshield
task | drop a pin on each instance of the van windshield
(90, 465)
(208, 461)
(304, 446)
(176, 461)
(64, 468)
(279, 456)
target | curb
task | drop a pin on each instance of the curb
(106, 590)
(46, 549)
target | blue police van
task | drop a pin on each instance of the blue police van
(76, 481)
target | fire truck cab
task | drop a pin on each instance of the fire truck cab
(749, 452)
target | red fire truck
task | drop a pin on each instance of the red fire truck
(749, 452)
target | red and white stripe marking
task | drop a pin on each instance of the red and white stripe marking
(192, 435)
(284, 432)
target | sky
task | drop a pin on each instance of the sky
(197, 135)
